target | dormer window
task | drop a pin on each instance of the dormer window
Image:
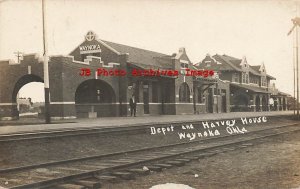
(245, 77)
(263, 81)
(208, 63)
(184, 65)
(235, 78)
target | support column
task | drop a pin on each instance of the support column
(254, 102)
(277, 103)
(260, 103)
(268, 102)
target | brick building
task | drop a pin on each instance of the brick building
(250, 88)
(99, 95)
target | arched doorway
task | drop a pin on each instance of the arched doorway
(28, 94)
(95, 98)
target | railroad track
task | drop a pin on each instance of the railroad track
(90, 172)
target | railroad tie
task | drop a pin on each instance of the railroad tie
(140, 171)
(163, 165)
(107, 178)
(124, 175)
(177, 163)
(89, 184)
(186, 160)
(154, 168)
(70, 186)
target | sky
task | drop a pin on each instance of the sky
(252, 28)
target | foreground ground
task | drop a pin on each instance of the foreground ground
(274, 164)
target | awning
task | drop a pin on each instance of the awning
(250, 88)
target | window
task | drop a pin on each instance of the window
(254, 80)
(208, 63)
(235, 78)
(263, 81)
(184, 65)
(184, 93)
(245, 77)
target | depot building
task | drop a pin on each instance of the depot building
(75, 95)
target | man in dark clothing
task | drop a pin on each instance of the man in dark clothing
(132, 104)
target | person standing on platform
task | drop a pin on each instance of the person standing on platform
(132, 104)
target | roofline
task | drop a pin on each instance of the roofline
(109, 47)
(100, 41)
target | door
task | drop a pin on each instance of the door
(210, 101)
(146, 98)
(224, 102)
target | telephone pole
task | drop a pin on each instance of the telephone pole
(296, 22)
(46, 67)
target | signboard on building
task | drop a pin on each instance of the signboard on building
(88, 49)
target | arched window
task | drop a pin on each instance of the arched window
(184, 93)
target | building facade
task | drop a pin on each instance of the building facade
(90, 82)
(250, 88)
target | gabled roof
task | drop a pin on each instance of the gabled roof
(223, 64)
(141, 57)
(231, 63)
(256, 68)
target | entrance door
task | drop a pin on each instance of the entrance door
(210, 101)
(223, 100)
(146, 98)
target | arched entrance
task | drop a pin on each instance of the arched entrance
(95, 98)
(25, 105)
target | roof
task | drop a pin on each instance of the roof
(250, 88)
(230, 63)
(141, 57)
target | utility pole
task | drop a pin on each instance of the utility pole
(46, 67)
(19, 55)
(296, 22)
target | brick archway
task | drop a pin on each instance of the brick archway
(23, 81)
(96, 98)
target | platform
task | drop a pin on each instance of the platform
(129, 121)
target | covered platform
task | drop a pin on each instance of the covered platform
(11, 127)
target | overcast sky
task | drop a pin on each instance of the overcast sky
(255, 29)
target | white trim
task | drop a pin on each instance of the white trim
(8, 104)
(29, 69)
(97, 104)
(6, 118)
(62, 102)
(184, 61)
(179, 103)
(60, 118)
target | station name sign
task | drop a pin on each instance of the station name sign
(87, 49)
